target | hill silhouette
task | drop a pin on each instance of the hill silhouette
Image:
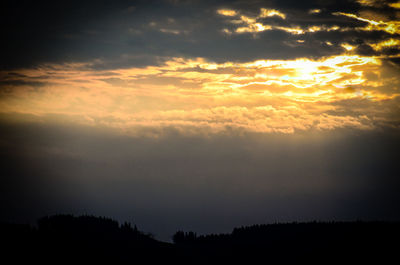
(63, 239)
(297, 243)
(68, 239)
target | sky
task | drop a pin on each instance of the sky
(200, 115)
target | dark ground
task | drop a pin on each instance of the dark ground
(87, 239)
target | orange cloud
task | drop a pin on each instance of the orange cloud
(198, 96)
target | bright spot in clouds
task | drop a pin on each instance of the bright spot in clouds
(270, 13)
(314, 11)
(227, 12)
(347, 46)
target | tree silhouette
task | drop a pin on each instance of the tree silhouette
(181, 237)
(90, 239)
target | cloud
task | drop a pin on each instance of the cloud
(264, 12)
(254, 24)
(314, 11)
(395, 5)
(174, 63)
(386, 44)
(198, 96)
(378, 3)
(227, 12)
(124, 34)
(391, 27)
(368, 2)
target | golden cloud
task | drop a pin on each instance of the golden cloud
(227, 12)
(264, 12)
(195, 95)
(392, 26)
(395, 5)
(378, 3)
(314, 11)
(253, 25)
(386, 44)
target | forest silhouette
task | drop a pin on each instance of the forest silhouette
(63, 239)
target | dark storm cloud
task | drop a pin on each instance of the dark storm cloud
(138, 33)
(203, 184)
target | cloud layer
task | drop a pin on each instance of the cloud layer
(198, 95)
(204, 67)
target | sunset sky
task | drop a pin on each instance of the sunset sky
(200, 115)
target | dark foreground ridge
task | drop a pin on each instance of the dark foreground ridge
(65, 239)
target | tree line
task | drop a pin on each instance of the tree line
(69, 239)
